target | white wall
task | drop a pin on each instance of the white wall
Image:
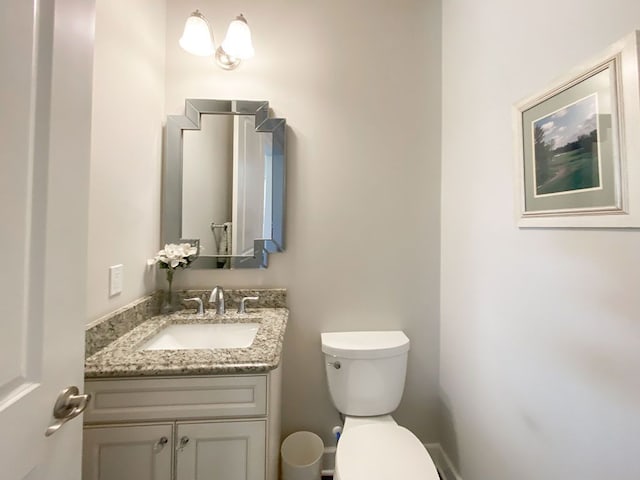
(128, 114)
(539, 332)
(540, 339)
(358, 83)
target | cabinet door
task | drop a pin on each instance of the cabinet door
(221, 451)
(136, 452)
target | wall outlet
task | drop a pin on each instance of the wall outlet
(115, 280)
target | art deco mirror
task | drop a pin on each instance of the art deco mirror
(224, 182)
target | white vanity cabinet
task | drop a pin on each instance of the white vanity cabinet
(223, 427)
(128, 452)
(220, 450)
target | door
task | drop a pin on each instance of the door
(220, 451)
(46, 50)
(138, 452)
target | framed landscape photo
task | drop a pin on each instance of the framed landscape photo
(577, 146)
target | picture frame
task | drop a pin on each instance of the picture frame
(578, 145)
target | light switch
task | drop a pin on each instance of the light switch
(115, 280)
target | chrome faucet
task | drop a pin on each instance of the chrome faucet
(198, 301)
(242, 307)
(217, 297)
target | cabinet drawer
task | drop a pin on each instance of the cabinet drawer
(176, 398)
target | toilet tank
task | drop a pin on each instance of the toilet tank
(365, 370)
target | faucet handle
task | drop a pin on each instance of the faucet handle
(241, 307)
(199, 301)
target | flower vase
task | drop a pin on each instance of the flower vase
(169, 300)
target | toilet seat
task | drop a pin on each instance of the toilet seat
(382, 452)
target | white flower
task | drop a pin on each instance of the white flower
(175, 255)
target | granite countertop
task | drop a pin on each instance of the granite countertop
(123, 358)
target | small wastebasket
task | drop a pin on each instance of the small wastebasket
(301, 454)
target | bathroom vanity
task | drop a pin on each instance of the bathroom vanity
(165, 428)
(181, 413)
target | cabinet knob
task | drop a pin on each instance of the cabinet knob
(183, 443)
(160, 444)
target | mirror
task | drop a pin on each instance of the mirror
(223, 182)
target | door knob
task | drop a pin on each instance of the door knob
(70, 404)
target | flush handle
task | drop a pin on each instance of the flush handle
(335, 364)
(69, 405)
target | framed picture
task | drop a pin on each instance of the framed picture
(578, 151)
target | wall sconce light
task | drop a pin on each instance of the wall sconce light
(197, 39)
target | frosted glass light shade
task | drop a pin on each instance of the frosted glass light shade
(196, 38)
(238, 43)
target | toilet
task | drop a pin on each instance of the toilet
(366, 374)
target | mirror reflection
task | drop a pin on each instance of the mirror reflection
(226, 186)
(230, 165)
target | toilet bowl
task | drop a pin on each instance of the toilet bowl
(382, 451)
(366, 375)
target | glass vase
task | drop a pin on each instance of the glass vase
(169, 298)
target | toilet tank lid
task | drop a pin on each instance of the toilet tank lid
(377, 344)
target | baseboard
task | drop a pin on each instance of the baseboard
(442, 461)
(439, 456)
(328, 461)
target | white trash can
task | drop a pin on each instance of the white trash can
(301, 454)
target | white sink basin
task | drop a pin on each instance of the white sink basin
(203, 336)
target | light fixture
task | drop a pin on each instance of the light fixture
(197, 38)
(236, 46)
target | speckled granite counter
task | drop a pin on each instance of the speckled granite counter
(123, 358)
(113, 341)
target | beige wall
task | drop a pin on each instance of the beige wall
(539, 327)
(358, 83)
(128, 114)
(539, 330)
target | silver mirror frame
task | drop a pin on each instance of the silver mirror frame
(171, 230)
